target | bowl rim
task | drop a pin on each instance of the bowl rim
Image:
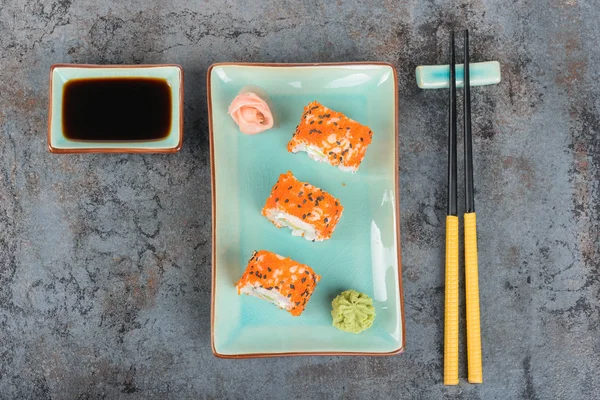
(100, 148)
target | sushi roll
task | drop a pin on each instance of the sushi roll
(329, 136)
(284, 282)
(307, 210)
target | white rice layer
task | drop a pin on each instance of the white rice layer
(317, 154)
(297, 225)
(272, 295)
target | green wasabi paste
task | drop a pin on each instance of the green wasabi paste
(352, 311)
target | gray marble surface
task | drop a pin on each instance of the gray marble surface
(105, 259)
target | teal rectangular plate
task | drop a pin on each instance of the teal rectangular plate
(60, 74)
(364, 251)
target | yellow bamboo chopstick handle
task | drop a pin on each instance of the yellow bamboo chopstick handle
(472, 299)
(451, 303)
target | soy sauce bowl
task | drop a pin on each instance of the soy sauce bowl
(84, 118)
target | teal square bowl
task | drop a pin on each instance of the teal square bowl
(60, 74)
(364, 251)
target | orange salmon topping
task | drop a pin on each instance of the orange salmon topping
(306, 202)
(290, 278)
(342, 140)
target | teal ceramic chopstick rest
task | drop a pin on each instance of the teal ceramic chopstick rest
(438, 76)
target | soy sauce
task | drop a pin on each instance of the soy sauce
(116, 109)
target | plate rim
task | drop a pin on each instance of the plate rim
(213, 209)
(100, 149)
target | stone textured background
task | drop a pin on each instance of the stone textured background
(105, 259)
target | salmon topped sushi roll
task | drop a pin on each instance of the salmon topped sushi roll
(284, 282)
(329, 136)
(307, 210)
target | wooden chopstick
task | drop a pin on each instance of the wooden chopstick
(451, 294)
(474, 363)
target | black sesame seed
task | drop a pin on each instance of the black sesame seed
(361, 139)
(350, 145)
(277, 287)
(320, 122)
(292, 286)
(269, 288)
(287, 200)
(276, 200)
(299, 206)
(290, 187)
(347, 128)
(303, 280)
(304, 216)
(341, 159)
(307, 273)
(337, 142)
(301, 193)
(304, 201)
(326, 220)
(336, 203)
(269, 269)
(320, 117)
(289, 295)
(335, 123)
(251, 272)
(331, 153)
(327, 115)
(312, 122)
(297, 303)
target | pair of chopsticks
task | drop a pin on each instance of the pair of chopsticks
(470, 231)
